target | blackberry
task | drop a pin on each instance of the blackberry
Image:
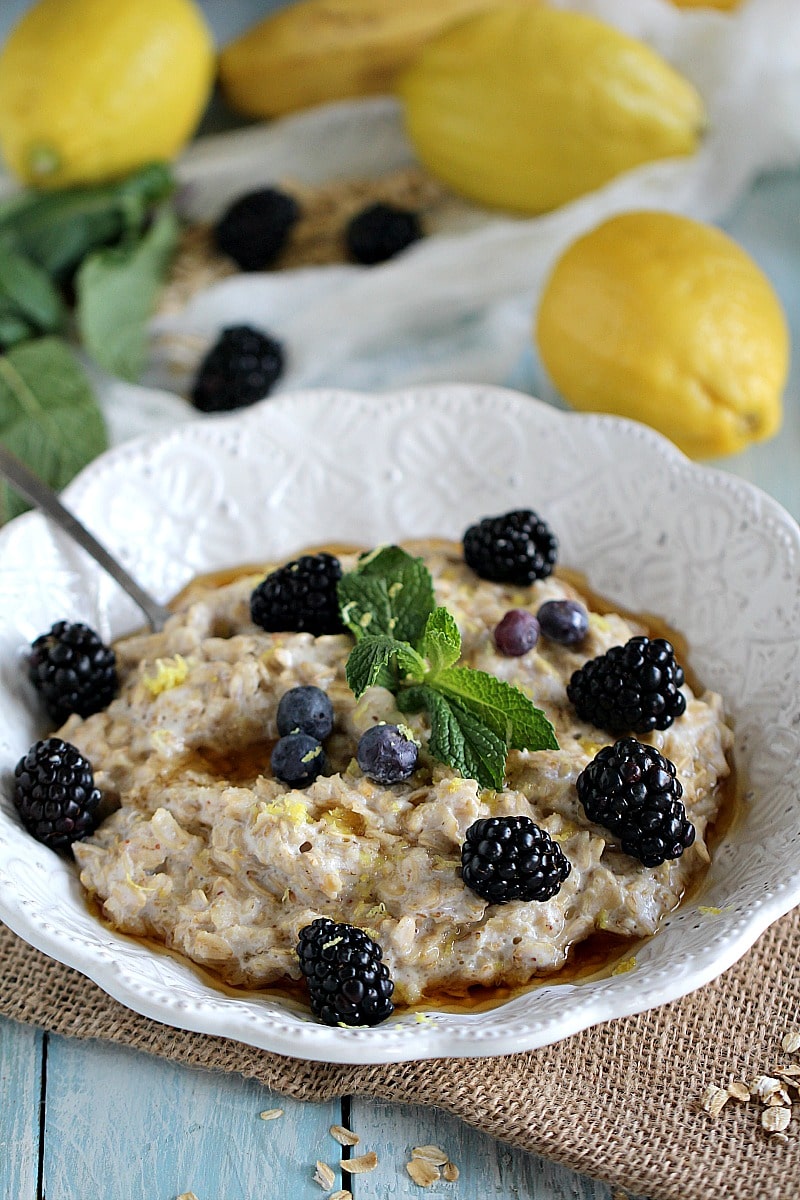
(240, 368)
(517, 547)
(300, 597)
(305, 710)
(346, 978)
(517, 633)
(632, 790)
(55, 794)
(73, 670)
(631, 688)
(565, 622)
(297, 759)
(255, 228)
(380, 231)
(386, 754)
(510, 858)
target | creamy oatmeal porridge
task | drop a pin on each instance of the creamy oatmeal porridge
(211, 855)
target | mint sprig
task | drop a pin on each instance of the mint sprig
(407, 644)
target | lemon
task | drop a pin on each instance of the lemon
(525, 108)
(668, 321)
(725, 5)
(91, 89)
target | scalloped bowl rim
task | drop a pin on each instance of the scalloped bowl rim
(108, 963)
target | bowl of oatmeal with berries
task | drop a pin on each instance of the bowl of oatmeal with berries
(441, 776)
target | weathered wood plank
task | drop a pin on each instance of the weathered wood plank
(20, 1094)
(125, 1125)
(487, 1168)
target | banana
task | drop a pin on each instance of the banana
(322, 50)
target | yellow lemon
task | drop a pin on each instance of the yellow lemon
(668, 321)
(726, 5)
(525, 108)
(91, 89)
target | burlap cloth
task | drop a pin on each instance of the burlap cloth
(619, 1101)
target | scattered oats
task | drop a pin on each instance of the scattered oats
(775, 1120)
(271, 1114)
(345, 1137)
(621, 968)
(324, 1176)
(423, 1172)
(780, 1137)
(713, 1100)
(791, 1043)
(285, 896)
(769, 1090)
(342, 1194)
(357, 1166)
(739, 1090)
(793, 1071)
(450, 1172)
(431, 1154)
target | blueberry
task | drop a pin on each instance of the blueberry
(386, 755)
(517, 633)
(305, 710)
(298, 759)
(563, 621)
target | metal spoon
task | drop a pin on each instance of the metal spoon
(43, 497)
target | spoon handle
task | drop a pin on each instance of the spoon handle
(44, 498)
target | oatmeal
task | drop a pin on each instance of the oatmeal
(211, 855)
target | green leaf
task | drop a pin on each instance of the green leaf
(28, 287)
(48, 415)
(412, 699)
(14, 329)
(462, 741)
(497, 703)
(57, 229)
(370, 659)
(389, 593)
(441, 640)
(117, 290)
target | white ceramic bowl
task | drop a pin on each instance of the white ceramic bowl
(710, 554)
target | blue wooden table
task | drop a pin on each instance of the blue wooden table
(93, 1121)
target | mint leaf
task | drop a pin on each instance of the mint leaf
(371, 658)
(496, 702)
(58, 228)
(462, 741)
(48, 415)
(441, 640)
(28, 290)
(365, 607)
(117, 290)
(14, 329)
(389, 593)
